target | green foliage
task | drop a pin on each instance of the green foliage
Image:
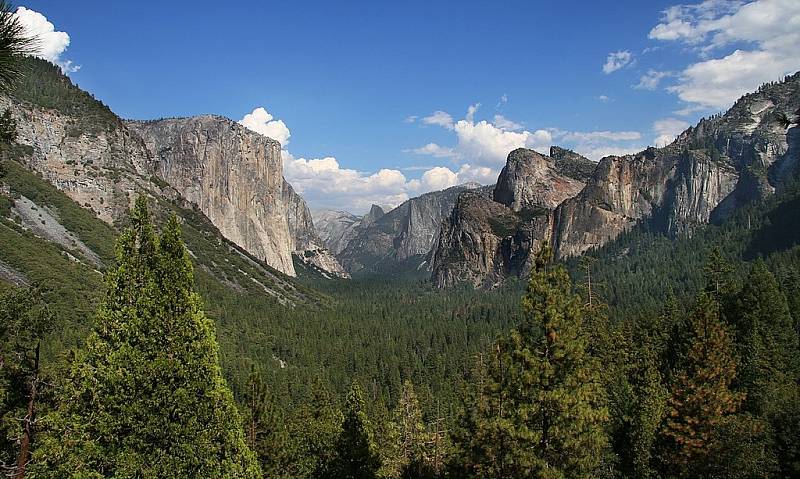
(356, 457)
(25, 320)
(409, 451)
(14, 43)
(538, 407)
(701, 397)
(8, 128)
(146, 396)
(44, 85)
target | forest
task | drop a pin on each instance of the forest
(608, 366)
(649, 357)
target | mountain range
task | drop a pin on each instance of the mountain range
(480, 235)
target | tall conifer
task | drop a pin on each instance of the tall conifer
(146, 397)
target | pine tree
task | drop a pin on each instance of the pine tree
(702, 397)
(767, 343)
(314, 429)
(264, 425)
(408, 440)
(146, 397)
(355, 452)
(539, 407)
(25, 321)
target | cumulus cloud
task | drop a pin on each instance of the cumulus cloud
(617, 60)
(764, 33)
(261, 121)
(667, 129)
(651, 79)
(505, 124)
(325, 183)
(50, 43)
(598, 144)
(439, 118)
(485, 143)
(432, 149)
(603, 98)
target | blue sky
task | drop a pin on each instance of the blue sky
(374, 97)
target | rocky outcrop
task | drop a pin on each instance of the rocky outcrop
(233, 175)
(102, 169)
(335, 228)
(307, 246)
(405, 234)
(710, 170)
(489, 238)
(532, 180)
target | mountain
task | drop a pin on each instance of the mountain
(383, 241)
(491, 231)
(307, 246)
(233, 175)
(711, 170)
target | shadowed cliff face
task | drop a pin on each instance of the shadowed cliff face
(383, 241)
(307, 246)
(233, 175)
(709, 171)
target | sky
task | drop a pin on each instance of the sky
(376, 102)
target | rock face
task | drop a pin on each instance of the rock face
(102, 166)
(710, 170)
(531, 180)
(335, 228)
(307, 246)
(382, 241)
(233, 175)
(488, 238)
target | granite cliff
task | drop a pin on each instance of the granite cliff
(383, 241)
(721, 164)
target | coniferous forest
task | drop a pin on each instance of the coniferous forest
(158, 354)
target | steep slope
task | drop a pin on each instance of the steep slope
(335, 228)
(706, 174)
(487, 238)
(405, 234)
(234, 175)
(307, 246)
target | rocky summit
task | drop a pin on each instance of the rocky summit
(709, 171)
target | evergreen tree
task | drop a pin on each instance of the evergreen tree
(767, 342)
(14, 43)
(146, 397)
(264, 425)
(702, 397)
(25, 321)
(539, 408)
(314, 429)
(408, 455)
(8, 128)
(355, 453)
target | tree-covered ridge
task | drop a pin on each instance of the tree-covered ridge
(44, 85)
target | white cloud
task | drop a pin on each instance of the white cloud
(439, 178)
(667, 129)
(50, 44)
(471, 112)
(432, 149)
(502, 101)
(505, 124)
(603, 98)
(598, 144)
(410, 119)
(765, 32)
(651, 79)
(439, 118)
(617, 60)
(261, 121)
(485, 143)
